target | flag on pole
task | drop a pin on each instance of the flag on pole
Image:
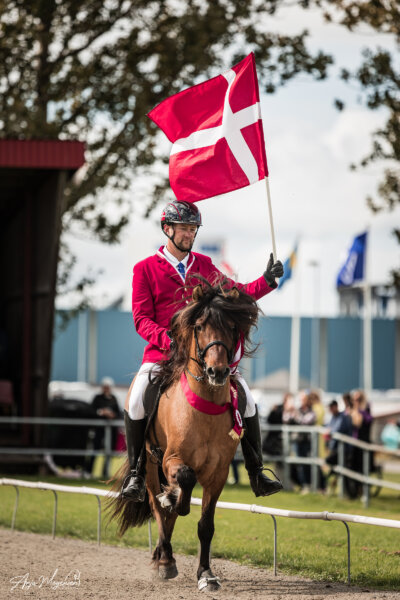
(353, 268)
(288, 267)
(216, 132)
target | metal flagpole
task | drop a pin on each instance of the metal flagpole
(295, 332)
(271, 221)
(367, 324)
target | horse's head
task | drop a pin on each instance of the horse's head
(207, 331)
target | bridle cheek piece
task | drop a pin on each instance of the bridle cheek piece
(201, 354)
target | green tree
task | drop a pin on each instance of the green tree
(92, 69)
(378, 78)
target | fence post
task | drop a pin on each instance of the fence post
(286, 454)
(366, 487)
(107, 451)
(341, 464)
(314, 466)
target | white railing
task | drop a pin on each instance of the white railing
(253, 508)
(287, 458)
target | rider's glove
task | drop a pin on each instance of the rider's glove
(274, 269)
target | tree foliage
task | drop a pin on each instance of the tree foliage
(378, 77)
(92, 69)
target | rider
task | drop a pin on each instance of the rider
(158, 291)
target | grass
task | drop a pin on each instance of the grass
(316, 549)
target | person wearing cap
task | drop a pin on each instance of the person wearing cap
(105, 406)
(161, 285)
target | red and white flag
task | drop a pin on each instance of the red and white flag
(217, 134)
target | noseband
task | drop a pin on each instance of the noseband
(201, 355)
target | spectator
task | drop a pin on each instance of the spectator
(340, 422)
(305, 416)
(362, 421)
(272, 443)
(319, 411)
(390, 435)
(105, 405)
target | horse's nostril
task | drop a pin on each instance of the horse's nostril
(210, 371)
(227, 371)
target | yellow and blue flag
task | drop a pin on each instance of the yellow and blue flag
(288, 267)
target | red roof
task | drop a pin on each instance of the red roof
(42, 154)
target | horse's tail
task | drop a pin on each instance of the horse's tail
(123, 510)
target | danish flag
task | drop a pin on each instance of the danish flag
(216, 132)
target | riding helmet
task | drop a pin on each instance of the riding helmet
(180, 212)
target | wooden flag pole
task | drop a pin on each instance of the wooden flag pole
(271, 221)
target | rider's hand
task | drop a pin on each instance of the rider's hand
(274, 269)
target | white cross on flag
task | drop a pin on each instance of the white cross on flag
(217, 134)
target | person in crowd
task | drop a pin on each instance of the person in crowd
(319, 411)
(105, 406)
(272, 443)
(340, 422)
(390, 435)
(305, 416)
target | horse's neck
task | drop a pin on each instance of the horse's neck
(216, 394)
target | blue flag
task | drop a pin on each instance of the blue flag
(288, 267)
(354, 266)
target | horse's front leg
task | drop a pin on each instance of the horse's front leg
(181, 481)
(206, 580)
(163, 558)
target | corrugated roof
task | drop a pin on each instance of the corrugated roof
(42, 154)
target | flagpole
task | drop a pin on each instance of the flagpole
(367, 324)
(295, 332)
(271, 221)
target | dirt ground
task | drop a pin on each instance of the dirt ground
(35, 566)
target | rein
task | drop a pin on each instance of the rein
(200, 360)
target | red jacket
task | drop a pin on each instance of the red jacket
(158, 292)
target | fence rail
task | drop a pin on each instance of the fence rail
(253, 508)
(286, 459)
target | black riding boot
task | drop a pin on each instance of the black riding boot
(133, 487)
(252, 453)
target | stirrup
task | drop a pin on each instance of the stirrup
(258, 481)
(138, 493)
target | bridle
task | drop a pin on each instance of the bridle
(200, 360)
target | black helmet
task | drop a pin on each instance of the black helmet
(180, 212)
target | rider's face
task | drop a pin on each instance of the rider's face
(184, 235)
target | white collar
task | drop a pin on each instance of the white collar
(173, 260)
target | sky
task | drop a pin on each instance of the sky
(316, 198)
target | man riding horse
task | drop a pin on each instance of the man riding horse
(160, 287)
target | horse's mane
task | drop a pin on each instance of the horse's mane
(219, 304)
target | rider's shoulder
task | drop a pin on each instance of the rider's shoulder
(202, 258)
(145, 263)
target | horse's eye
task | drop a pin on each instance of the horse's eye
(198, 327)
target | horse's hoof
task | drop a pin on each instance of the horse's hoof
(209, 584)
(167, 571)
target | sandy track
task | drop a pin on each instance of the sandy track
(124, 573)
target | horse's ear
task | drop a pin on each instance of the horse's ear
(197, 293)
(234, 294)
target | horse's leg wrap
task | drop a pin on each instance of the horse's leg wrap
(133, 487)
(252, 454)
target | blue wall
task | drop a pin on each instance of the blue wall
(120, 349)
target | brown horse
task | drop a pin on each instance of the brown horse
(195, 446)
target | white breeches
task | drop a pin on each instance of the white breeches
(136, 408)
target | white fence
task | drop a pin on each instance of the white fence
(253, 508)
